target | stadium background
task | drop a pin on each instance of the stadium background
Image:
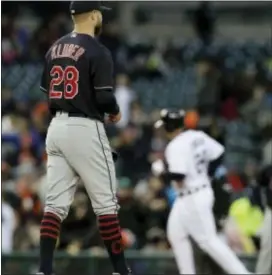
(214, 60)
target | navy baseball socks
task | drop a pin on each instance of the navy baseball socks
(110, 233)
(50, 229)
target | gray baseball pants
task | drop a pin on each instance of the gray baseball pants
(78, 149)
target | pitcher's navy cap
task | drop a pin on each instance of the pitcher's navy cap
(78, 7)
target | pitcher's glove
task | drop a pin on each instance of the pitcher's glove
(114, 155)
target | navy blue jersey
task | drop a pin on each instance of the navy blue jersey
(76, 67)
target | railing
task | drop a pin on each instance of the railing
(87, 264)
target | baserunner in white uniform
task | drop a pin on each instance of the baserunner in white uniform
(187, 159)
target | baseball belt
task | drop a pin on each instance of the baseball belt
(192, 191)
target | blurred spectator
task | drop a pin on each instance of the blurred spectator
(208, 77)
(204, 22)
(41, 118)
(156, 64)
(264, 264)
(47, 34)
(258, 108)
(132, 147)
(229, 109)
(124, 96)
(110, 37)
(157, 203)
(133, 217)
(8, 227)
(156, 241)
(138, 116)
(267, 156)
(245, 219)
(7, 102)
(10, 40)
(236, 239)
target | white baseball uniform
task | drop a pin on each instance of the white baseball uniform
(192, 214)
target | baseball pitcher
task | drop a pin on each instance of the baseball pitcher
(78, 81)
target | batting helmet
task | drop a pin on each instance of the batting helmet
(171, 120)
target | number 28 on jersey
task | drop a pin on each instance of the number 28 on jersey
(64, 82)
